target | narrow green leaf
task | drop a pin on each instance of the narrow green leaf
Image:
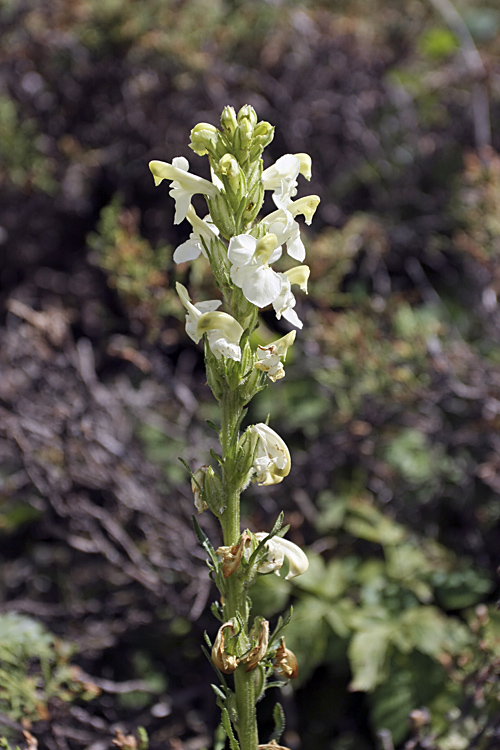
(226, 723)
(220, 738)
(282, 623)
(186, 465)
(217, 671)
(216, 610)
(279, 722)
(219, 693)
(216, 456)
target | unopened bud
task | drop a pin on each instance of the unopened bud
(228, 120)
(203, 136)
(247, 113)
(245, 134)
(285, 662)
(264, 130)
(231, 556)
(229, 167)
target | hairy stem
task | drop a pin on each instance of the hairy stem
(236, 599)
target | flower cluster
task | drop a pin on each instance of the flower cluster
(234, 196)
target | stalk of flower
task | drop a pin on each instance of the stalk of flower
(241, 252)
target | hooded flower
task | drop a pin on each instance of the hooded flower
(272, 461)
(278, 549)
(287, 230)
(285, 301)
(223, 331)
(250, 270)
(204, 231)
(281, 177)
(269, 357)
(184, 184)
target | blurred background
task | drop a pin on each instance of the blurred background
(390, 405)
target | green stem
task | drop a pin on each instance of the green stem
(236, 599)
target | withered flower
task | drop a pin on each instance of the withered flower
(257, 652)
(231, 556)
(285, 662)
(227, 663)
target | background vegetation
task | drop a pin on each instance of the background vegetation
(391, 404)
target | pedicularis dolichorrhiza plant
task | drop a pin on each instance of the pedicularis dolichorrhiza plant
(241, 249)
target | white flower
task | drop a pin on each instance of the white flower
(269, 357)
(285, 302)
(272, 460)
(223, 331)
(278, 549)
(250, 269)
(204, 230)
(282, 223)
(184, 184)
(281, 177)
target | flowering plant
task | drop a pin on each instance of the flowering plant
(241, 251)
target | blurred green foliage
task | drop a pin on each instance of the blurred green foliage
(134, 268)
(23, 161)
(385, 613)
(35, 670)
